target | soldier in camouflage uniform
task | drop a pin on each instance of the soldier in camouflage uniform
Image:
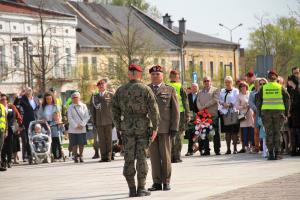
(273, 107)
(134, 110)
(184, 116)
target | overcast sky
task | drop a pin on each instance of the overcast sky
(204, 15)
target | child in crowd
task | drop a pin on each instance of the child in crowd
(57, 130)
(39, 139)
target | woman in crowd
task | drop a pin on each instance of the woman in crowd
(14, 124)
(285, 130)
(247, 124)
(294, 91)
(48, 108)
(78, 116)
(227, 101)
(252, 105)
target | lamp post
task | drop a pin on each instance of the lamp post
(230, 29)
(26, 64)
(235, 46)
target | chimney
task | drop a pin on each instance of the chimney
(182, 24)
(166, 18)
(170, 24)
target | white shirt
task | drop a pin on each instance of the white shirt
(157, 85)
(102, 93)
(230, 98)
(32, 103)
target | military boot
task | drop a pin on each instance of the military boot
(132, 192)
(277, 155)
(141, 192)
(271, 156)
(96, 155)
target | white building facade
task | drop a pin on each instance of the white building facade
(21, 64)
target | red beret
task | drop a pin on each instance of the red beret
(250, 74)
(156, 68)
(174, 72)
(135, 67)
(273, 72)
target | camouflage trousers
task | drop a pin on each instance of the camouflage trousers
(135, 148)
(178, 139)
(273, 121)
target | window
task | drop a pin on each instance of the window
(94, 67)
(15, 27)
(16, 57)
(155, 61)
(28, 28)
(67, 31)
(230, 68)
(222, 70)
(175, 64)
(1, 26)
(201, 69)
(211, 70)
(163, 62)
(2, 56)
(85, 61)
(111, 68)
(68, 62)
(56, 62)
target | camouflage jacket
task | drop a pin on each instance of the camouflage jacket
(135, 107)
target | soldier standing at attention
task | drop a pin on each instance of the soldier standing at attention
(160, 149)
(101, 106)
(134, 110)
(273, 106)
(184, 116)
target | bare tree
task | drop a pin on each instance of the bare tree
(131, 44)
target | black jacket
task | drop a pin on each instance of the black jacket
(27, 111)
(192, 104)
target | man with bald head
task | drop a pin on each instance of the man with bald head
(208, 98)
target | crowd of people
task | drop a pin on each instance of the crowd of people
(261, 113)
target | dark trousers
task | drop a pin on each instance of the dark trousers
(56, 148)
(26, 151)
(6, 152)
(217, 140)
(248, 134)
(295, 139)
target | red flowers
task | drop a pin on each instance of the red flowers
(204, 117)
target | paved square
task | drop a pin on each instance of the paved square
(241, 176)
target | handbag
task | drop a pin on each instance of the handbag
(231, 118)
(88, 126)
(243, 116)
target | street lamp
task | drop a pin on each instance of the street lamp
(230, 29)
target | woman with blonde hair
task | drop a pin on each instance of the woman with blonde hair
(227, 103)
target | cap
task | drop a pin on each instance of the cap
(156, 68)
(250, 74)
(174, 72)
(75, 94)
(273, 72)
(135, 67)
(100, 81)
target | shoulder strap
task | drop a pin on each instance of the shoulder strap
(77, 113)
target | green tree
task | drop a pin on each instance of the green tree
(280, 39)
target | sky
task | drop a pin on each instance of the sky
(204, 16)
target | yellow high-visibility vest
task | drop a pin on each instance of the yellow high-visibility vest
(177, 87)
(2, 118)
(251, 86)
(272, 97)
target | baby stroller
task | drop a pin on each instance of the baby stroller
(40, 143)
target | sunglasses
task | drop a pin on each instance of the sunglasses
(262, 84)
(74, 97)
(206, 81)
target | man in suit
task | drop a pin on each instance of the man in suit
(29, 106)
(160, 149)
(208, 98)
(101, 112)
(192, 97)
